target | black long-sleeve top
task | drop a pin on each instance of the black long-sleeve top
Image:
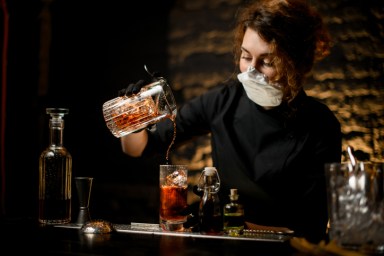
(274, 159)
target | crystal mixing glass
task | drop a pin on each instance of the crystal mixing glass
(173, 182)
(127, 114)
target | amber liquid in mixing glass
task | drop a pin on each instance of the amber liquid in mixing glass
(131, 117)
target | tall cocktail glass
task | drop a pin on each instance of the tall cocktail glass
(173, 196)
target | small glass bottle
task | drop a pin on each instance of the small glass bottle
(55, 174)
(210, 217)
(233, 215)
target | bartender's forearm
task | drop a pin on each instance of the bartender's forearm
(134, 144)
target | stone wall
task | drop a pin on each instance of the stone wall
(350, 81)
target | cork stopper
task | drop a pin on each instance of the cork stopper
(233, 194)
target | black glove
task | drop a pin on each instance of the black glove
(135, 88)
(132, 88)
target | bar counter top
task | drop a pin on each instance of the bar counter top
(22, 237)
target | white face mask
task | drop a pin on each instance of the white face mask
(259, 90)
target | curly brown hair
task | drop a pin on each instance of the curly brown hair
(296, 34)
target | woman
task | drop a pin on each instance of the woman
(269, 139)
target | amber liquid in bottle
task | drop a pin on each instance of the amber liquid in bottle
(55, 174)
(233, 215)
(210, 217)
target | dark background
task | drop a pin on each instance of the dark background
(94, 48)
(78, 53)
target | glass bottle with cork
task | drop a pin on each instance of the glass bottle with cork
(55, 174)
(233, 215)
(210, 210)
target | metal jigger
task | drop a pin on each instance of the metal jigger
(83, 186)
